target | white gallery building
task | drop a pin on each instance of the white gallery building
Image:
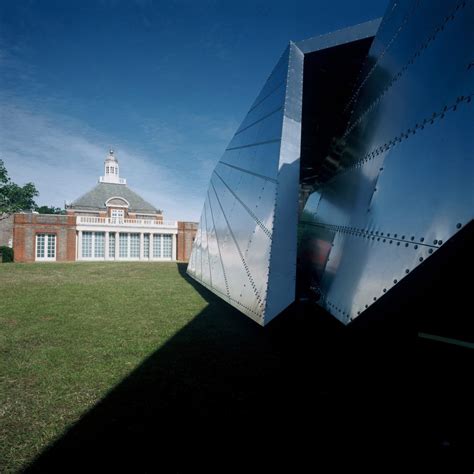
(115, 223)
(110, 222)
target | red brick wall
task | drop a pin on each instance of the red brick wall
(185, 238)
(26, 226)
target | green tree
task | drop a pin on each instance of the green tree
(14, 198)
(49, 210)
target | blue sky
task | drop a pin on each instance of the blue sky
(165, 83)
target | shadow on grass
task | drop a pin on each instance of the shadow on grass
(225, 394)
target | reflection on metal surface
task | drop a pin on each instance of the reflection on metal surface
(234, 252)
(405, 180)
(368, 142)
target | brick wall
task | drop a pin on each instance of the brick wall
(6, 230)
(26, 226)
(185, 238)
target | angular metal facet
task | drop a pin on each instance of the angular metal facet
(405, 185)
(246, 247)
(252, 197)
(353, 165)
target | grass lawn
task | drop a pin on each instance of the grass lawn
(134, 367)
(69, 333)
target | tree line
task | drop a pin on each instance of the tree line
(15, 198)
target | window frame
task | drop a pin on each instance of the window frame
(167, 246)
(118, 217)
(124, 245)
(46, 244)
(112, 244)
(162, 246)
(134, 249)
(94, 245)
(87, 238)
(98, 249)
(146, 246)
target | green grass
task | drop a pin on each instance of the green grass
(69, 333)
(131, 367)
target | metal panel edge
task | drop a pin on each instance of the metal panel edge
(338, 37)
(282, 265)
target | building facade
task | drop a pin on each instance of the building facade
(111, 222)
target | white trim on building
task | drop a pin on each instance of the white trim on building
(125, 204)
(45, 247)
(106, 239)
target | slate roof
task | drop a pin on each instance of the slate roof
(97, 196)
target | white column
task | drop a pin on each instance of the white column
(151, 246)
(128, 244)
(106, 246)
(141, 246)
(173, 247)
(117, 245)
(79, 246)
(162, 240)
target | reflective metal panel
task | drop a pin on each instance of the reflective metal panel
(390, 189)
(246, 246)
(407, 184)
(241, 213)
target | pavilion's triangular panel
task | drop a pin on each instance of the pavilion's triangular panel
(252, 198)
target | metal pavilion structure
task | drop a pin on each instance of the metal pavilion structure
(352, 167)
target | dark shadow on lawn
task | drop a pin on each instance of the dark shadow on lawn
(303, 390)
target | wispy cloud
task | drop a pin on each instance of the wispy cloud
(168, 160)
(194, 140)
(64, 158)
